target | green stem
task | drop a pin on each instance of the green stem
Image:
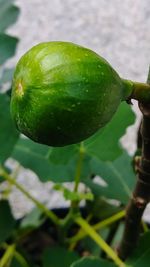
(98, 226)
(46, 211)
(8, 255)
(74, 210)
(80, 232)
(145, 227)
(74, 204)
(110, 220)
(136, 90)
(98, 239)
(21, 259)
(17, 255)
(79, 167)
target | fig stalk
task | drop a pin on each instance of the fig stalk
(136, 90)
(141, 193)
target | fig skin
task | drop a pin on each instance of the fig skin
(63, 93)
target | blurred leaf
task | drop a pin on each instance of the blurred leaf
(8, 14)
(7, 222)
(19, 261)
(15, 263)
(101, 208)
(58, 256)
(61, 155)
(8, 132)
(105, 144)
(7, 47)
(33, 219)
(35, 156)
(1, 179)
(92, 262)
(9, 1)
(118, 236)
(6, 76)
(141, 255)
(118, 175)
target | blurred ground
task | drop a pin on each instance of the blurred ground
(118, 30)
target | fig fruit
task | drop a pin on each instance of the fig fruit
(63, 93)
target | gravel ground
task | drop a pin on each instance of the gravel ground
(116, 29)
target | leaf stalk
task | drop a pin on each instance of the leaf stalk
(98, 239)
(50, 214)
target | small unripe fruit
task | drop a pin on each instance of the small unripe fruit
(63, 93)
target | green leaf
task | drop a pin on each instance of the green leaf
(118, 175)
(61, 155)
(15, 263)
(8, 14)
(118, 236)
(92, 262)
(101, 208)
(20, 261)
(8, 133)
(7, 222)
(8, 2)
(1, 179)
(6, 76)
(58, 256)
(34, 156)
(105, 144)
(7, 47)
(33, 219)
(141, 255)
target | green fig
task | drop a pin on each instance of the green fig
(63, 93)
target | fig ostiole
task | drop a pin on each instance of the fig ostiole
(63, 93)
